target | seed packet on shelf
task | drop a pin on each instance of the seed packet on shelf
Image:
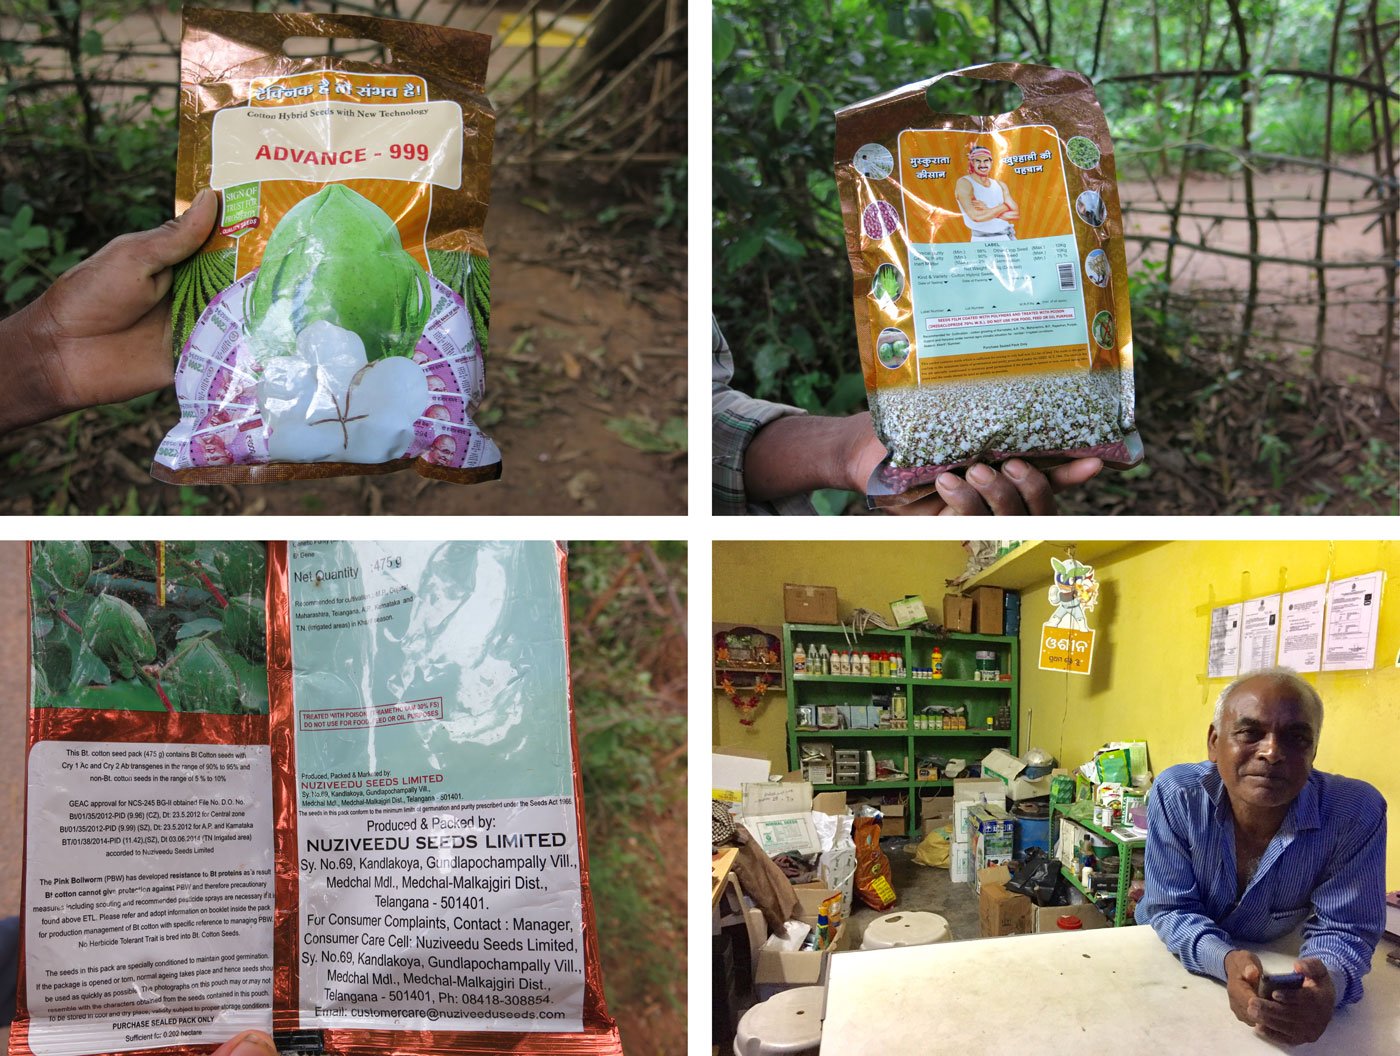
(991, 287)
(325, 789)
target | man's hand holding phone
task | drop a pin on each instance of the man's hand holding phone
(1294, 1007)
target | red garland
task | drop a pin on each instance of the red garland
(746, 706)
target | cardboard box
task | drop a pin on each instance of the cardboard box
(989, 610)
(957, 613)
(1001, 764)
(776, 970)
(778, 814)
(807, 604)
(999, 911)
(935, 812)
(1046, 918)
(732, 767)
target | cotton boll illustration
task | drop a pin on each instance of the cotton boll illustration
(327, 403)
(449, 645)
(384, 401)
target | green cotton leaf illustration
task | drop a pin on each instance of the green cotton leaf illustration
(87, 667)
(62, 565)
(242, 567)
(199, 678)
(245, 626)
(39, 685)
(203, 625)
(252, 685)
(118, 634)
(336, 257)
(119, 696)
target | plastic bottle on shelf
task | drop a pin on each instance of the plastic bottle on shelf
(864, 664)
(937, 661)
(826, 660)
(799, 659)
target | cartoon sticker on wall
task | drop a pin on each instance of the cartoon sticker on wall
(1066, 640)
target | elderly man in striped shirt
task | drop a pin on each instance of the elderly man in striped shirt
(1250, 845)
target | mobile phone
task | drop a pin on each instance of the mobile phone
(1283, 981)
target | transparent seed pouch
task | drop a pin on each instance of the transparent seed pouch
(325, 789)
(991, 286)
(336, 320)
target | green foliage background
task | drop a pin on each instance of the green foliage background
(782, 286)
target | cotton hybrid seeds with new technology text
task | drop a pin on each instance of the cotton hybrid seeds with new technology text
(336, 320)
(991, 295)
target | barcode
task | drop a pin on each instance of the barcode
(1066, 276)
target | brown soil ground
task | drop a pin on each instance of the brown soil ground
(587, 328)
(1288, 202)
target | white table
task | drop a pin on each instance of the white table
(1106, 990)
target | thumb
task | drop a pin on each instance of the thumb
(167, 245)
(1310, 967)
(1250, 973)
(251, 1043)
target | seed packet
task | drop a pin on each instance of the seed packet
(991, 286)
(335, 321)
(325, 789)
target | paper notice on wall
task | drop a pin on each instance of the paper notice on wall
(1353, 609)
(1300, 636)
(1223, 657)
(1259, 633)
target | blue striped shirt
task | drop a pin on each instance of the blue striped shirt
(1324, 869)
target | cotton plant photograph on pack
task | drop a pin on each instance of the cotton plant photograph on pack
(444, 242)
(1134, 233)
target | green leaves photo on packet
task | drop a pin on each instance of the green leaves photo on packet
(336, 257)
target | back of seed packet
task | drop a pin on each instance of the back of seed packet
(325, 789)
(335, 321)
(991, 286)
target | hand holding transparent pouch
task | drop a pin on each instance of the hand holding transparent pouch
(991, 294)
(330, 791)
(336, 320)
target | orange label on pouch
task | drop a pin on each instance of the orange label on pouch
(1025, 165)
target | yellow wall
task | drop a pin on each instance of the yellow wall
(748, 588)
(1148, 680)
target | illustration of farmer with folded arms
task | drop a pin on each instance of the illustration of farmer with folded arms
(987, 206)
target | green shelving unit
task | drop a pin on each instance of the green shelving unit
(1083, 814)
(958, 688)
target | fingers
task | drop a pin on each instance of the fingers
(1035, 490)
(249, 1043)
(1072, 474)
(162, 247)
(965, 497)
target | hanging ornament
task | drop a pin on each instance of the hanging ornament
(746, 705)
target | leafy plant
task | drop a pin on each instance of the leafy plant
(149, 627)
